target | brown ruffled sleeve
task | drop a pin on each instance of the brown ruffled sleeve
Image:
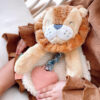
(80, 89)
(27, 34)
(12, 41)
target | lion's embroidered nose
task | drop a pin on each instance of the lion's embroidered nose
(57, 26)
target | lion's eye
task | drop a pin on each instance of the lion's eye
(70, 22)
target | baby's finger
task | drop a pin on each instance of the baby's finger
(45, 95)
(49, 98)
(18, 46)
(22, 46)
(49, 88)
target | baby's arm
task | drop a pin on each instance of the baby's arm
(21, 46)
(7, 78)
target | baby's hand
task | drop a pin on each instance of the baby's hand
(21, 46)
(52, 92)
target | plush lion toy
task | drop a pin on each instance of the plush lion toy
(62, 29)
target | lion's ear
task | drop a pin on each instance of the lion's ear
(83, 12)
(48, 18)
(39, 23)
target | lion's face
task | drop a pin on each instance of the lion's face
(58, 33)
(60, 26)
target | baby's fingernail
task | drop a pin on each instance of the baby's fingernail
(16, 52)
(38, 92)
(37, 96)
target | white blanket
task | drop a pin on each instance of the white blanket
(14, 94)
